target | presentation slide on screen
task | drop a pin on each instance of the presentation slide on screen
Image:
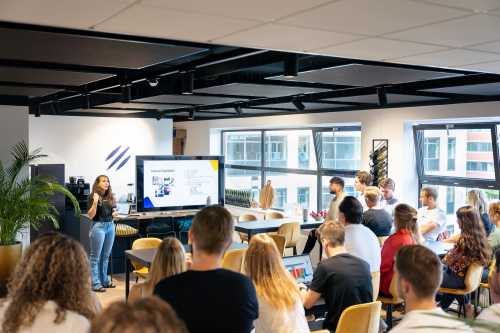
(180, 183)
(301, 271)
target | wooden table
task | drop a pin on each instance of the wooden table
(263, 226)
(150, 216)
(144, 257)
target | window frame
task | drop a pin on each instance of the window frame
(314, 146)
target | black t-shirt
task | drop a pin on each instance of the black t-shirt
(379, 221)
(219, 300)
(344, 281)
(488, 226)
(103, 212)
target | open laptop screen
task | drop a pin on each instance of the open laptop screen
(123, 208)
(300, 267)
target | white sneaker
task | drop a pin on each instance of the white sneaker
(471, 314)
(382, 326)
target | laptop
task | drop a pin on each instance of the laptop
(300, 267)
(123, 209)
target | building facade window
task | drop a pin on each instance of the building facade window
(304, 151)
(480, 166)
(479, 146)
(303, 196)
(279, 198)
(451, 153)
(450, 200)
(431, 154)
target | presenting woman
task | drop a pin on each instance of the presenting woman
(102, 204)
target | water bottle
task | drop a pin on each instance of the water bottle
(209, 201)
(305, 214)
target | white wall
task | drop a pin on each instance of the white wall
(13, 129)
(203, 137)
(84, 143)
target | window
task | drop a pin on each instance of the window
(279, 198)
(479, 146)
(342, 151)
(480, 166)
(303, 196)
(276, 149)
(431, 154)
(451, 154)
(450, 200)
(243, 148)
(303, 152)
(326, 197)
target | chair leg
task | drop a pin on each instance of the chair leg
(295, 250)
(388, 316)
(136, 279)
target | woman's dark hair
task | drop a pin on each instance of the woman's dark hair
(352, 209)
(473, 241)
(108, 194)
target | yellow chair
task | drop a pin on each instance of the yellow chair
(486, 284)
(291, 231)
(143, 243)
(472, 281)
(376, 284)
(361, 318)
(381, 240)
(273, 216)
(395, 299)
(245, 218)
(280, 243)
(233, 260)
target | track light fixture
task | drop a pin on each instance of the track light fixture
(298, 104)
(126, 93)
(191, 114)
(382, 96)
(161, 114)
(37, 111)
(291, 66)
(188, 83)
(153, 82)
(238, 109)
(55, 108)
(85, 102)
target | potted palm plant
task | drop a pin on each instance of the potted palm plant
(24, 201)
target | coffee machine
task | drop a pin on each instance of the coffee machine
(80, 191)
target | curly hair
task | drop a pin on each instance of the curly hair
(110, 197)
(54, 267)
(473, 242)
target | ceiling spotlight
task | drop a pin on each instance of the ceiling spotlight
(191, 114)
(161, 114)
(238, 109)
(85, 102)
(291, 66)
(56, 109)
(153, 82)
(298, 104)
(188, 83)
(37, 111)
(126, 94)
(382, 96)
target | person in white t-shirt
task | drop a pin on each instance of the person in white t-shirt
(418, 273)
(360, 241)
(431, 218)
(491, 315)
(389, 200)
(361, 181)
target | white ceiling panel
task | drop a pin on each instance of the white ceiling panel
(286, 37)
(262, 10)
(471, 30)
(488, 47)
(375, 48)
(62, 13)
(449, 58)
(371, 18)
(468, 4)
(167, 23)
(491, 67)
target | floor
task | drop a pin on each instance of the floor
(117, 294)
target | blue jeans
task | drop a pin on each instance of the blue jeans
(102, 236)
(453, 281)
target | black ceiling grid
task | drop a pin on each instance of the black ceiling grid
(69, 64)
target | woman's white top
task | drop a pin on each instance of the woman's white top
(44, 321)
(271, 321)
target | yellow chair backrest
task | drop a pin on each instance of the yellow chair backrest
(376, 284)
(473, 278)
(273, 215)
(280, 243)
(233, 260)
(492, 267)
(246, 218)
(381, 240)
(361, 318)
(291, 231)
(392, 289)
(144, 243)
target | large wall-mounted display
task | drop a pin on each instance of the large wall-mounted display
(178, 182)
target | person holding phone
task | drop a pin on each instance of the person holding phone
(102, 209)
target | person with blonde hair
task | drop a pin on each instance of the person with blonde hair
(280, 302)
(375, 218)
(407, 233)
(169, 259)
(149, 315)
(49, 289)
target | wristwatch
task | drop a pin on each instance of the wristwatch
(303, 288)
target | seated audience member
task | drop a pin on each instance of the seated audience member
(389, 200)
(375, 218)
(361, 181)
(431, 218)
(169, 259)
(343, 279)
(491, 315)
(418, 274)
(494, 237)
(151, 315)
(472, 247)
(360, 241)
(209, 298)
(407, 233)
(280, 302)
(49, 289)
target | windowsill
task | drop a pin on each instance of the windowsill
(258, 212)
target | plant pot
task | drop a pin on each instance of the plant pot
(9, 256)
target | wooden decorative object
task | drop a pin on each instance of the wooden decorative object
(266, 198)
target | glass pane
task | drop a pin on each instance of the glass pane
(293, 188)
(342, 151)
(247, 180)
(243, 148)
(326, 197)
(290, 149)
(468, 153)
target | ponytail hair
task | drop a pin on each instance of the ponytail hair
(405, 217)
